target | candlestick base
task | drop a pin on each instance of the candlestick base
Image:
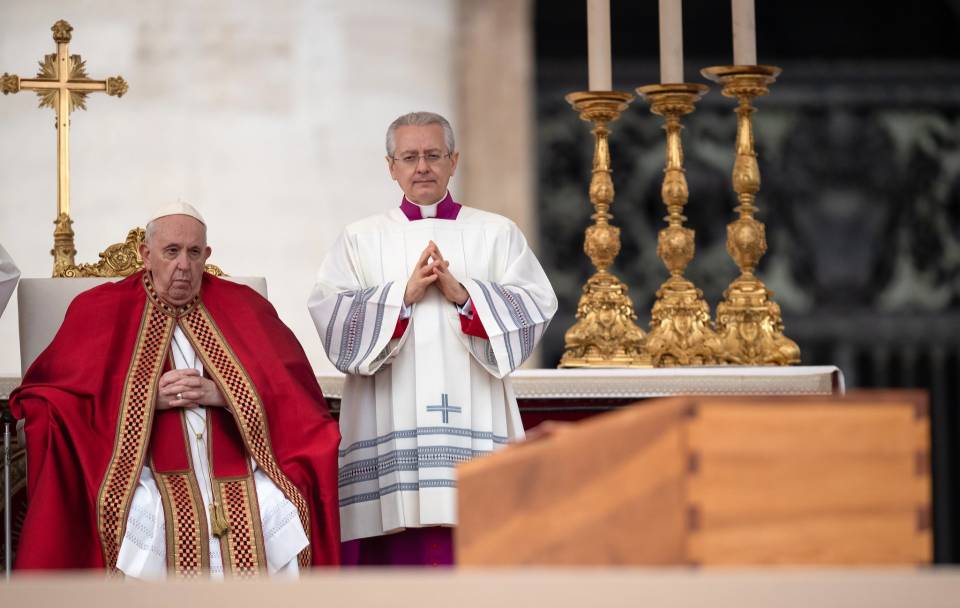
(605, 333)
(748, 320)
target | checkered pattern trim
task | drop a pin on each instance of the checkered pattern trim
(242, 547)
(244, 404)
(188, 546)
(133, 429)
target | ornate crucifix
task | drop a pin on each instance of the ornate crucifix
(62, 84)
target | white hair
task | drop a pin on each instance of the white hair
(149, 231)
(419, 119)
(151, 228)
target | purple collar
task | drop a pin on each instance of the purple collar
(447, 209)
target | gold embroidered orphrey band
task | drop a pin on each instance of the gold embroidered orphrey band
(245, 405)
(243, 555)
(134, 424)
(185, 520)
(185, 524)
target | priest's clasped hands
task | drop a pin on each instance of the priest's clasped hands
(187, 388)
(432, 269)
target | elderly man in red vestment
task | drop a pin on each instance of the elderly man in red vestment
(175, 428)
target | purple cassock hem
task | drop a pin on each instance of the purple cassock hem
(431, 546)
(447, 209)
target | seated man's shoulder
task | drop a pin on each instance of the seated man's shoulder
(235, 290)
(107, 293)
(227, 299)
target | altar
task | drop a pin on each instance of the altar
(574, 394)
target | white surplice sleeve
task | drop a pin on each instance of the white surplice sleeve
(355, 320)
(515, 308)
(9, 275)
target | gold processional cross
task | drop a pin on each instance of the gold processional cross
(62, 84)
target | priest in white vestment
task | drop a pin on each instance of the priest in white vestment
(427, 308)
(9, 275)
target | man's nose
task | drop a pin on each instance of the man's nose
(422, 165)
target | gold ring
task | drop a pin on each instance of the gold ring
(180, 396)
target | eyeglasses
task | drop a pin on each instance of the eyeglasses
(412, 160)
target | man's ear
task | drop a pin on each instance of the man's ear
(145, 255)
(206, 253)
(453, 162)
(390, 167)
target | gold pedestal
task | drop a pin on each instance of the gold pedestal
(680, 325)
(63, 251)
(605, 333)
(748, 320)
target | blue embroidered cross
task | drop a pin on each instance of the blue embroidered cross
(445, 408)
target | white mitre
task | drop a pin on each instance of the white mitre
(178, 208)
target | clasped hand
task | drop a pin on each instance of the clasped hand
(432, 269)
(187, 388)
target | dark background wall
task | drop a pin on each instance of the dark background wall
(859, 151)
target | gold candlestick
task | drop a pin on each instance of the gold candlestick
(605, 333)
(748, 320)
(680, 325)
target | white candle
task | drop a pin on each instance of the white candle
(671, 41)
(598, 45)
(744, 33)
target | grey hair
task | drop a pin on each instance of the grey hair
(419, 119)
(149, 231)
